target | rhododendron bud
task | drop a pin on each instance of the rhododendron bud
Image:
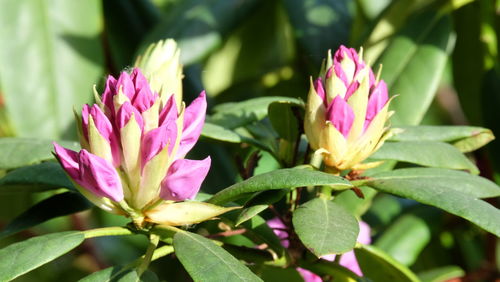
(161, 66)
(346, 112)
(133, 152)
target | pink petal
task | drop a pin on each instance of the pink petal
(348, 260)
(99, 176)
(155, 140)
(85, 121)
(109, 92)
(364, 233)
(126, 84)
(169, 111)
(144, 98)
(377, 100)
(320, 90)
(184, 179)
(340, 114)
(341, 74)
(194, 118)
(101, 122)
(329, 73)
(279, 229)
(124, 114)
(309, 276)
(68, 160)
(351, 89)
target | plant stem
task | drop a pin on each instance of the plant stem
(107, 231)
(153, 243)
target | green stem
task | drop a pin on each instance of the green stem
(146, 260)
(107, 231)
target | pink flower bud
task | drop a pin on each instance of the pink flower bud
(354, 103)
(184, 179)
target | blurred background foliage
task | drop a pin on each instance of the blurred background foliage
(440, 56)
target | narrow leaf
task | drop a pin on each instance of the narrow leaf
(19, 258)
(426, 153)
(18, 152)
(441, 274)
(288, 178)
(36, 178)
(451, 198)
(378, 266)
(465, 138)
(325, 227)
(205, 261)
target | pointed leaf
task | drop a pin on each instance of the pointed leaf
(36, 178)
(378, 266)
(465, 138)
(325, 227)
(425, 153)
(448, 195)
(441, 274)
(205, 261)
(413, 63)
(288, 178)
(19, 258)
(18, 152)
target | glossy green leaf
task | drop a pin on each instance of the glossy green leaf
(198, 25)
(236, 114)
(51, 57)
(288, 178)
(205, 261)
(465, 138)
(320, 25)
(441, 274)
(286, 120)
(473, 185)
(35, 178)
(248, 213)
(55, 206)
(106, 275)
(18, 152)
(413, 64)
(19, 258)
(259, 203)
(426, 153)
(456, 195)
(325, 228)
(468, 66)
(405, 238)
(378, 266)
(217, 132)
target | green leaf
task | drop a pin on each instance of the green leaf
(286, 120)
(413, 178)
(378, 266)
(288, 178)
(205, 261)
(426, 153)
(198, 25)
(320, 25)
(51, 56)
(19, 258)
(465, 138)
(18, 152)
(259, 232)
(217, 132)
(106, 275)
(455, 196)
(36, 178)
(270, 273)
(405, 238)
(325, 227)
(259, 203)
(55, 206)
(441, 274)
(236, 114)
(413, 64)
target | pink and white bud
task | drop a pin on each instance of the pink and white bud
(134, 147)
(346, 112)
